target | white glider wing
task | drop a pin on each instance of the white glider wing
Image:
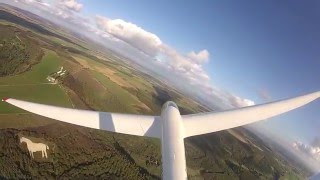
(139, 125)
(203, 123)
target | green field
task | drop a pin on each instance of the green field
(129, 77)
(23, 120)
(121, 94)
(50, 63)
(33, 85)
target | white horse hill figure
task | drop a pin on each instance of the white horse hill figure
(34, 147)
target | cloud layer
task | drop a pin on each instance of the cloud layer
(71, 5)
(311, 151)
(200, 57)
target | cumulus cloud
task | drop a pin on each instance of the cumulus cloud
(31, 1)
(131, 33)
(316, 142)
(231, 100)
(66, 9)
(184, 66)
(26, 1)
(200, 57)
(71, 5)
(240, 102)
(311, 151)
(36, 2)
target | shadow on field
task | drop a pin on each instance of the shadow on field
(161, 96)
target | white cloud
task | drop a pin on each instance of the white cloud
(134, 35)
(311, 151)
(316, 142)
(200, 57)
(183, 66)
(35, 2)
(240, 102)
(71, 5)
(231, 100)
(65, 9)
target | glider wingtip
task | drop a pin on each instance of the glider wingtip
(5, 99)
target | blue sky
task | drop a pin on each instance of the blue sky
(256, 50)
(256, 47)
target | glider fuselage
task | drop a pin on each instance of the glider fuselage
(172, 143)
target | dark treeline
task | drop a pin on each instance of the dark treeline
(17, 51)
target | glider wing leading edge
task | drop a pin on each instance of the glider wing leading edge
(203, 123)
(150, 126)
(139, 125)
